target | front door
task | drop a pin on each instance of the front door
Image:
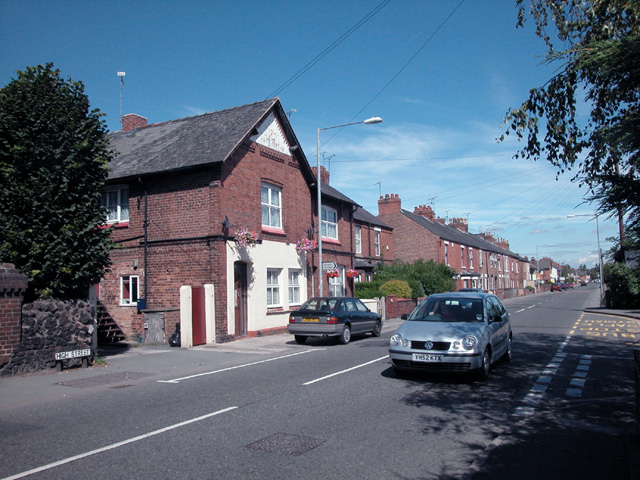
(240, 298)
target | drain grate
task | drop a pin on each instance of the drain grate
(104, 379)
(286, 444)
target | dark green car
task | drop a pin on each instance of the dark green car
(333, 317)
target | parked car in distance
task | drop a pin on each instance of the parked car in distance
(556, 287)
(453, 332)
(333, 316)
(583, 283)
(476, 290)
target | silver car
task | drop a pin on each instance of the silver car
(453, 332)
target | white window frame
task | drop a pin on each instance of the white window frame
(462, 258)
(116, 200)
(470, 258)
(377, 233)
(134, 293)
(336, 284)
(271, 204)
(273, 287)
(295, 297)
(358, 236)
(326, 225)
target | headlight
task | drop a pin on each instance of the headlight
(469, 342)
(396, 339)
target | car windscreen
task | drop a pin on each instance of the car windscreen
(449, 310)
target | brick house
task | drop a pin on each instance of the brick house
(479, 260)
(180, 191)
(352, 238)
(373, 243)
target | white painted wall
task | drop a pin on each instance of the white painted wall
(260, 258)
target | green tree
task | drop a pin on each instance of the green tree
(598, 62)
(53, 164)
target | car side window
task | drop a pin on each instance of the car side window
(350, 307)
(361, 306)
(491, 307)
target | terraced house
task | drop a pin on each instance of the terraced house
(208, 212)
(479, 260)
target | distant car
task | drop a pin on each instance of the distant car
(556, 287)
(583, 283)
(453, 332)
(476, 290)
(333, 317)
(569, 285)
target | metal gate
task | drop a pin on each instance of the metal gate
(198, 320)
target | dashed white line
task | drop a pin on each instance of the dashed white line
(178, 380)
(345, 371)
(116, 445)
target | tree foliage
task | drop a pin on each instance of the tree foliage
(53, 164)
(598, 63)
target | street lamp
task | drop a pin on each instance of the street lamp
(595, 215)
(538, 261)
(368, 121)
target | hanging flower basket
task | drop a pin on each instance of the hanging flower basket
(352, 274)
(245, 238)
(333, 273)
(306, 245)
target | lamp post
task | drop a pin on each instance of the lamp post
(538, 262)
(595, 215)
(368, 121)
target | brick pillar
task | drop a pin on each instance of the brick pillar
(12, 287)
(389, 204)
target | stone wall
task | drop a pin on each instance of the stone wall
(50, 326)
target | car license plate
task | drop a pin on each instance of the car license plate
(425, 357)
(311, 320)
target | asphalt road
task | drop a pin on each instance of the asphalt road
(269, 408)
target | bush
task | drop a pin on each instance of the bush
(368, 290)
(399, 288)
(623, 286)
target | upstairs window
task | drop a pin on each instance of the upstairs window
(270, 199)
(377, 241)
(116, 201)
(358, 239)
(329, 223)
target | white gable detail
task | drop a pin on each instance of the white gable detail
(271, 135)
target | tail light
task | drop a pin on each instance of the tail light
(292, 319)
(332, 320)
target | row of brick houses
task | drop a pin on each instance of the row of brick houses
(179, 192)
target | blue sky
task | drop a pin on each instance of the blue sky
(441, 74)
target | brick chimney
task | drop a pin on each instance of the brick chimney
(425, 211)
(459, 223)
(389, 204)
(132, 121)
(501, 242)
(488, 237)
(324, 174)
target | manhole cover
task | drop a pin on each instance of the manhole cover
(286, 443)
(103, 379)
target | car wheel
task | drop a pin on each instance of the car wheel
(507, 355)
(377, 330)
(345, 336)
(300, 339)
(483, 372)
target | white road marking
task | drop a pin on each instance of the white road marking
(116, 445)
(178, 380)
(345, 371)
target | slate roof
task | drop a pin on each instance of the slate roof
(452, 234)
(364, 216)
(185, 143)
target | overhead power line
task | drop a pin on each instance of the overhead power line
(327, 50)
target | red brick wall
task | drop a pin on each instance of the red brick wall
(411, 242)
(12, 287)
